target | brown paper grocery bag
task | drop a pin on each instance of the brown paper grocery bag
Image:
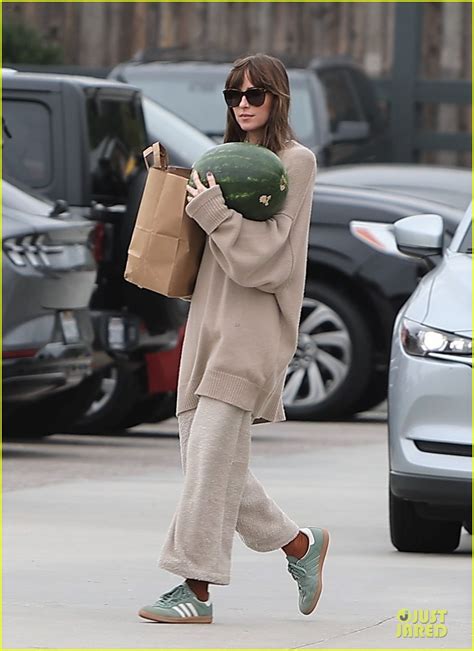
(166, 247)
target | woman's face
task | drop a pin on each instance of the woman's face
(252, 118)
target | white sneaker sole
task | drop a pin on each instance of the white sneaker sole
(200, 619)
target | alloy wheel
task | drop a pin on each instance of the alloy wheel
(323, 356)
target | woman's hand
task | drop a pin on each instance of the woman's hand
(200, 187)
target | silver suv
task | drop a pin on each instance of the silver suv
(429, 395)
(429, 400)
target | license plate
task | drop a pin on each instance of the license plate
(116, 333)
(69, 326)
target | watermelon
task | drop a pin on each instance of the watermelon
(252, 178)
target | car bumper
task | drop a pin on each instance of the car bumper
(118, 333)
(429, 424)
(443, 491)
(436, 498)
(55, 367)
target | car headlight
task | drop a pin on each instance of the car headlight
(418, 339)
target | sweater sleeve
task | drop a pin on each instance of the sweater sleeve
(256, 253)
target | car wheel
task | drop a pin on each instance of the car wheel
(333, 361)
(410, 532)
(116, 397)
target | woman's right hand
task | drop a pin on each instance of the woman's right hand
(200, 187)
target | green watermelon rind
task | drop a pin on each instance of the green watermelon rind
(249, 194)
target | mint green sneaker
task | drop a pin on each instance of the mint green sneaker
(308, 571)
(179, 606)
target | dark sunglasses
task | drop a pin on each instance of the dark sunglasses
(254, 96)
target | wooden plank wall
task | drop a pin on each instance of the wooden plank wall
(102, 34)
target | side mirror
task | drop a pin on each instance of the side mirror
(377, 235)
(349, 131)
(420, 236)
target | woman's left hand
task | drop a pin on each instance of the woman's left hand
(200, 187)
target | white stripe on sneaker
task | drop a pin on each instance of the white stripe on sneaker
(180, 611)
(193, 609)
(186, 609)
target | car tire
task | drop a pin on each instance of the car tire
(409, 532)
(334, 355)
(375, 393)
(153, 409)
(118, 392)
(51, 415)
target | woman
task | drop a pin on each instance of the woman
(241, 334)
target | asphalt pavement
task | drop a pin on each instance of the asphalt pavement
(85, 517)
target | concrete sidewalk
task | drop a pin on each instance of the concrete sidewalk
(80, 555)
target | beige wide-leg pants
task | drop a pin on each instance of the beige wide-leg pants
(220, 496)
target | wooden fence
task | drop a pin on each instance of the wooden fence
(102, 34)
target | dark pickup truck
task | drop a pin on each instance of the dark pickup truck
(79, 142)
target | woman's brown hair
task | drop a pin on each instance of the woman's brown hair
(265, 72)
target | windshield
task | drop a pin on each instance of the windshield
(466, 244)
(197, 98)
(176, 135)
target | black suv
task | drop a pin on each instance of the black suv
(78, 141)
(334, 110)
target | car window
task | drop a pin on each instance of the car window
(368, 99)
(117, 138)
(341, 100)
(27, 155)
(302, 118)
(197, 98)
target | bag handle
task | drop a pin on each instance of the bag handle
(160, 156)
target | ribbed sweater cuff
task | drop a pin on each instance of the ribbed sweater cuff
(208, 209)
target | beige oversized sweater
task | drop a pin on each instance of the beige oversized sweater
(242, 327)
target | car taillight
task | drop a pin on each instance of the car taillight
(97, 240)
(32, 249)
(16, 354)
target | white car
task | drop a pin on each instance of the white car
(429, 397)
